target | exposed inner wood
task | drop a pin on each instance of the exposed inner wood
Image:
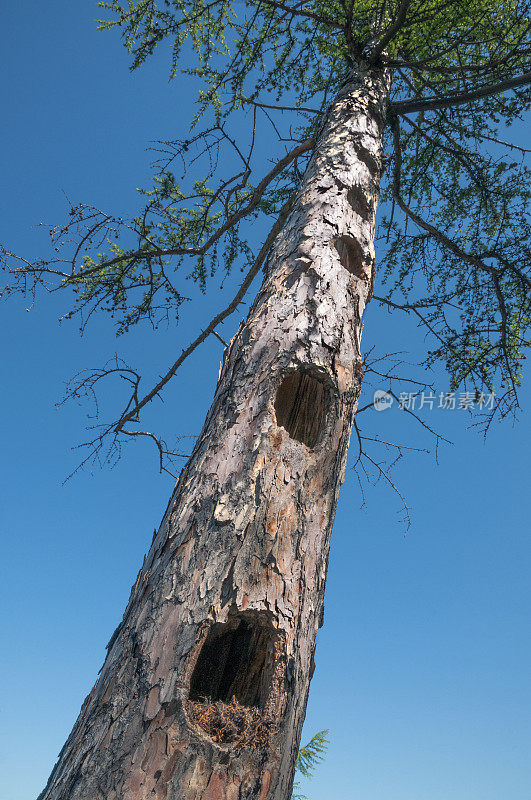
(300, 406)
(237, 660)
(350, 255)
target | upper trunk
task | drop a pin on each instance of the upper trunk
(203, 692)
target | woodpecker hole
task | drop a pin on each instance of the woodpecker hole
(350, 255)
(237, 688)
(236, 660)
(300, 406)
(357, 197)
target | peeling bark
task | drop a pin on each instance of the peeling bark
(227, 604)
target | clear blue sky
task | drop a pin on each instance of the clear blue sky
(423, 664)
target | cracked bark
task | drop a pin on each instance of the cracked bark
(239, 562)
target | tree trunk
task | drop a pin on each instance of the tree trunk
(204, 689)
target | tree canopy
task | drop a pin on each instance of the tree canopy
(453, 229)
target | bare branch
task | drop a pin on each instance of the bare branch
(227, 311)
(381, 472)
(282, 108)
(162, 450)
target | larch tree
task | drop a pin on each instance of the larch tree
(203, 692)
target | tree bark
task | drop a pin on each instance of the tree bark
(203, 692)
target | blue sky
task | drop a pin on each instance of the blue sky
(423, 664)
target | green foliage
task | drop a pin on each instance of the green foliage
(476, 195)
(239, 49)
(312, 753)
(453, 233)
(478, 198)
(308, 758)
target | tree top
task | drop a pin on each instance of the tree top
(453, 233)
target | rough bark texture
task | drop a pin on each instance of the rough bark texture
(203, 692)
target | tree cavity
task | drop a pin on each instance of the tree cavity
(357, 198)
(238, 686)
(350, 255)
(300, 406)
(237, 660)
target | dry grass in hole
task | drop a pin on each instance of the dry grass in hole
(231, 723)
